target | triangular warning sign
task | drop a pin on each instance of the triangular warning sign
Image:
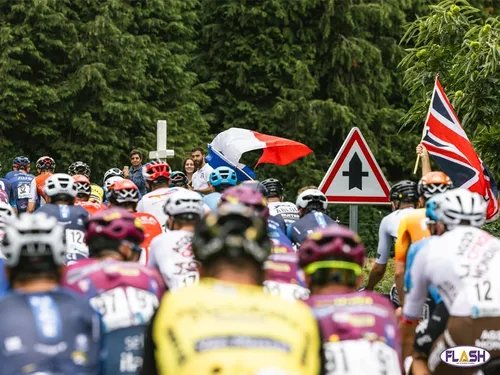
(354, 177)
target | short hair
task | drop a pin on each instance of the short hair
(198, 149)
(135, 152)
(301, 190)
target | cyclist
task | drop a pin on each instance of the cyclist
(21, 185)
(60, 190)
(178, 179)
(83, 195)
(227, 324)
(124, 292)
(312, 204)
(109, 178)
(413, 227)
(125, 194)
(283, 276)
(359, 329)
(45, 328)
(277, 207)
(157, 177)
(5, 189)
(462, 263)
(220, 179)
(404, 199)
(18, 160)
(79, 167)
(171, 252)
(45, 166)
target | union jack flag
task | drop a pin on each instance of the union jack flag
(447, 143)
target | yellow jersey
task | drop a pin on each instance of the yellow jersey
(412, 228)
(222, 328)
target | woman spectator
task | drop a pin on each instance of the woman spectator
(189, 169)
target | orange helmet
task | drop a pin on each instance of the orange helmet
(434, 183)
(82, 184)
(123, 191)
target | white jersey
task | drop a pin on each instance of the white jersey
(287, 210)
(463, 265)
(388, 233)
(153, 202)
(172, 255)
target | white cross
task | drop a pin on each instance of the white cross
(161, 142)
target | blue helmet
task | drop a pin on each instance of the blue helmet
(223, 175)
(431, 207)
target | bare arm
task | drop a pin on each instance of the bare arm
(424, 156)
(376, 274)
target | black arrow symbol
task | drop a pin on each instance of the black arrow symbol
(355, 173)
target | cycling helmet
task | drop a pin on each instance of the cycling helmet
(233, 231)
(21, 162)
(156, 171)
(178, 179)
(248, 196)
(115, 224)
(431, 207)
(223, 176)
(123, 191)
(257, 185)
(434, 183)
(79, 167)
(46, 163)
(113, 172)
(312, 198)
(82, 185)
(110, 181)
(461, 207)
(34, 237)
(405, 191)
(60, 184)
(6, 213)
(274, 187)
(184, 204)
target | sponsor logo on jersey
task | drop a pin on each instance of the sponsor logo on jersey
(465, 356)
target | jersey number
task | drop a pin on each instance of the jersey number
(483, 292)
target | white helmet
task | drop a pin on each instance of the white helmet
(60, 183)
(33, 235)
(460, 206)
(6, 213)
(184, 202)
(110, 181)
(309, 196)
(113, 172)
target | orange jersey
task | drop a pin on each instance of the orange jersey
(40, 181)
(152, 228)
(412, 228)
(91, 207)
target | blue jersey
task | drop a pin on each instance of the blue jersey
(278, 221)
(299, 230)
(281, 243)
(21, 190)
(11, 174)
(6, 186)
(212, 200)
(4, 284)
(56, 332)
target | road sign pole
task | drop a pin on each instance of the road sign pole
(353, 217)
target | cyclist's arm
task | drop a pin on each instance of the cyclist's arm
(401, 249)
(148, 356)
(426, 335)
(383, 253)
(33, 196)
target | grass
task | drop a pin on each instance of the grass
(384, 286)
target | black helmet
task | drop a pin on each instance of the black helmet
(234, 231)
(257, 185)
(273, 186)
(404, 191)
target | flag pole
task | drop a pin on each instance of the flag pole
(425, 123)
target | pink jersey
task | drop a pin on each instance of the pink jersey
(284, 277)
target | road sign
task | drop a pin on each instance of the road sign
(354, 177)
(161, 142)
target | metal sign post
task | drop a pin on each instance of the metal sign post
(161, 152)
(353, 217)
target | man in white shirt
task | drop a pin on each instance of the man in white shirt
(202, 174)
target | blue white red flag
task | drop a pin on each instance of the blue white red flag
(449, 146)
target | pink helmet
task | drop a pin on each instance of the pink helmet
(247, 196)
(335, 243)
(115, 224)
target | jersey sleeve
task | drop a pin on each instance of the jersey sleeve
(33, 192)
(402, 242)
(419, 284)
(384, 242)
(155, 243)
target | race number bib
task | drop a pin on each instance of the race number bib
(125, 307)
(75, 242)
(23, 191)
(287, 291)
(360, 357)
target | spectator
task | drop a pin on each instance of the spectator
(134, 173)
(189, 169)
(203, 169)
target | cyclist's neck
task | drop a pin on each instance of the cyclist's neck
(274, 199)
(234, 277)
(38, 286)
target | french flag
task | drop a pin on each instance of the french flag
(227, 148)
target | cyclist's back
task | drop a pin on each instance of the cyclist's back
(299, 230)
(21, 190)
(153, 202)
(6, 186)
(284, 277)
(388, 232)
(287, 210)
(412, 228)
(212, 200)
(281, 243)
(90, 207)
(152, 228)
